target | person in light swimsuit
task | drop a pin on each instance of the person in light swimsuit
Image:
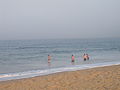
(49, 58)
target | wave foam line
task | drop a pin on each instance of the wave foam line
(33, 73)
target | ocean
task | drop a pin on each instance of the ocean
(28, 58)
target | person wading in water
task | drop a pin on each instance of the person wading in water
(49, 58)
(73, 58)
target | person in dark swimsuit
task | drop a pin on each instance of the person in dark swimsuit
(84, 57)
(87, 56)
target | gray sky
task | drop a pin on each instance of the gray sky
(42, 19)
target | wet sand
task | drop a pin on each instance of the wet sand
(102, 78)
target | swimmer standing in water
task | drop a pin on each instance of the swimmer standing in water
(84, 57)
(49, 58)
(73, 58)
(87, 56)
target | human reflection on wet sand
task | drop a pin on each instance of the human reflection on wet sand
(73, 63)
(49, 64)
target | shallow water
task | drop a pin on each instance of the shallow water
(27, 55)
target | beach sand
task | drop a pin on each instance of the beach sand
(102, 78)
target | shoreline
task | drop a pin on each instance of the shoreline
(99, 78)
(34, 73)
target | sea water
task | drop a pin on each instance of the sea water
(28, 58)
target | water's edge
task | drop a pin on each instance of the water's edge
(33, 73)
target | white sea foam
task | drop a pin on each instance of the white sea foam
(33, 73)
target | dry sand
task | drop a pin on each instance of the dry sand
(105, 78)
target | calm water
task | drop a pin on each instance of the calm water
(26, 55)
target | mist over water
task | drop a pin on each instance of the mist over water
(36, 19)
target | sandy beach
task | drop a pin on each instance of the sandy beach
(102, 78)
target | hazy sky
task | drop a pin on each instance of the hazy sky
(42, 19)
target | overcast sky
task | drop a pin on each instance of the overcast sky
(42, 19)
